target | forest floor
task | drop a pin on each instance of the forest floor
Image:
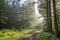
(32, 36)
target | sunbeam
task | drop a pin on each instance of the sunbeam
(38, 17)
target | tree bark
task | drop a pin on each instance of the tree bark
(49, 18)
(55, 17)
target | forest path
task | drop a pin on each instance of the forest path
(32, 36)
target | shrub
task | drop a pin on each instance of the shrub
(47, 36)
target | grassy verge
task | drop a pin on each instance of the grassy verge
(6, 33)
(47, 36)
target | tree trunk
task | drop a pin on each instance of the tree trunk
(49, 18)
(55, 17)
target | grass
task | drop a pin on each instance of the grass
(6, 33)
(47, 36)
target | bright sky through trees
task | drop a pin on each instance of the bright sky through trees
(22, 1)
(36, 8)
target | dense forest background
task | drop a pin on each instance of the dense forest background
(31, 14)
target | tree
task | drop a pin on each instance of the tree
(55, 17)
(13, 11)
(26, 12)
(43, 11)
(50, 17)
(45, 6)
(3, 13)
